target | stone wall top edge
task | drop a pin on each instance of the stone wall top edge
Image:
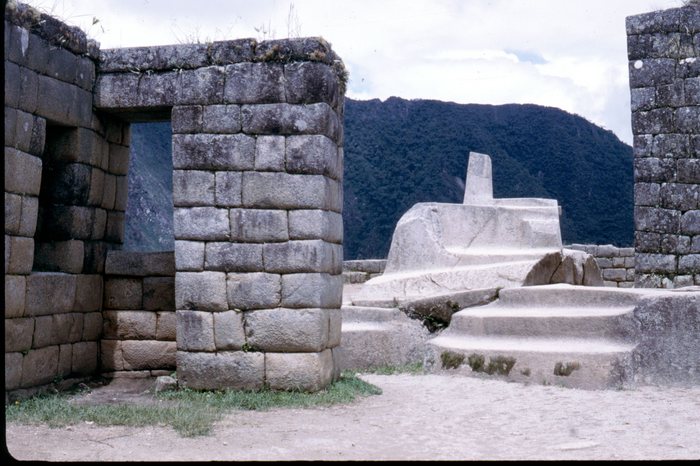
(51, 29)
(681, 19)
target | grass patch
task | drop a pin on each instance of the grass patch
(190, 412)
(413, 368)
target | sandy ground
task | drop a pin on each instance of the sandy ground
(418, 417)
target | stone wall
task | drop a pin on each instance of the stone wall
(664, 71)
(359, 271)
(616, 264)
(65, 195)
(139, 312)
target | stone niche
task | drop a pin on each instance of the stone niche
(257, 191)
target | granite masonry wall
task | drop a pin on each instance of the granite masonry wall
(616, 264)
(664, 71)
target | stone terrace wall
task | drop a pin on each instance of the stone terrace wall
(65, 194)
(139, 313)
(664, 70)
(359, 271)
(257, 188)
(616, 264)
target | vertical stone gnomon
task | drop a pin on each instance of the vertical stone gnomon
(664, 70)
(257, 192)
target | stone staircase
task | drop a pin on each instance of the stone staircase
(582, 337)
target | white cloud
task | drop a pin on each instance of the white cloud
(568, 54)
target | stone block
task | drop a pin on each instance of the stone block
(311, 82)
(158, 89)
(166, 326)
(689, 263)
(316, 224)
(22, 172)
(647, 194)
(23, 131)
(97, 187)
(256, 290)
(13, 370)
(302, 290)
(203, 291)
(201, 223)
(88, 293)
(232, 51)
(59, 101)
(655, 263)
(85, 74)
(10, 125)
(189, 255)
(203, 86)
(221, 119)
(29, 218)
(95, 253)
(122, 195)
(123, 293)
(12, 84)
(19, 255)
(651, 72)
(229, 332)
(76, 145)
(13, 212)
(111, 358)
(303, 256)
(92, 326)
(694, 245)
(50, 293)
(65, 359)
(39, 366)
(61, 65)
(619, 262)
(285, 191)
(671, 95)
(234, 257)
(159, 293)
(616, 275)
(18, 334)
(287, 119)
(270, 153)
(258, 225)
(117, 90)
(115, 227)
(186, 119)
(680, 281)
(335, 321)
(660, 120)
(59, 256)
(193, 188)
(287, 330)
(692, 88)
(213, 151)
(690, 222)
(68, 222)
(308, 372)
(629, 262)
(652, 22)
(689, 171)
(129, 325)
(674, 244)
(84, 358)
(228, 189)
(647, 242)
(57, 329)
(686, 119)
(140, 264)
(144, 354)
(604, 262)
(15, 291)
(657, 220)
(118, 159)
(680, 196)
(69, 183)
(224, 370)
(313, 155)
(253, 83)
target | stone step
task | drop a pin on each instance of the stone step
(564, 295)
(370, 314)
(593, 322)
(571, 362)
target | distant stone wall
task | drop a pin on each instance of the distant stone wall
(664, 70)
(139, 312)
(359, 271)
(616, 264)
(65, 195)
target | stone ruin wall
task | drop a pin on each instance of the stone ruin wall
(664, 71)
(251, 297)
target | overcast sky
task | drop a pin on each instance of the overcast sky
(570, 54)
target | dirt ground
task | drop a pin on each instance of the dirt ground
(418, 417)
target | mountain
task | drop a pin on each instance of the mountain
(400, 152)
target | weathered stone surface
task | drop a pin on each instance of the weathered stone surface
(308, 372)
(19, 255)
(290, 119)
(229, 333)
(159, 293)
(211, 371)
(647, 194)
(270, 153)
(680, 196)
(213, 151)
(258, 225)
(657, 220)
(221, 119)
(234, 257)
(295, 330)
(88, 293)
(84, 358)
(287, 191)
(304, 290)
(140, 264)
(129, 325)
(50, 293)
(18, 334)
(674, 244)
(689, 263)
(189, 255)
(118, 159)
(57, 329)
(228, 189)
(689, 170)
(201, 223)
(654, 263)
(651, 72)
(690, 222)
(15, 291)
(659, 120)
(200, 86)
(254, 83)
(313, 155)
(186, 119)
(13, 370)
(111, 358)
(115, 227)
(193, 188)
(123, 293)
(140, 355)
(70, 222)
(59, 256)
(65, 359)
(316, 224)
(255, 290)
(591, 272)
(39, 366)
(335, 321)
(195, 331)
(311, 82)
(92, 326)
(166, 326)
(165, 383)
(303, 256)
(13, 212)
(204, 291)
(22, 172)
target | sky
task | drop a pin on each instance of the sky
(570, 54)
